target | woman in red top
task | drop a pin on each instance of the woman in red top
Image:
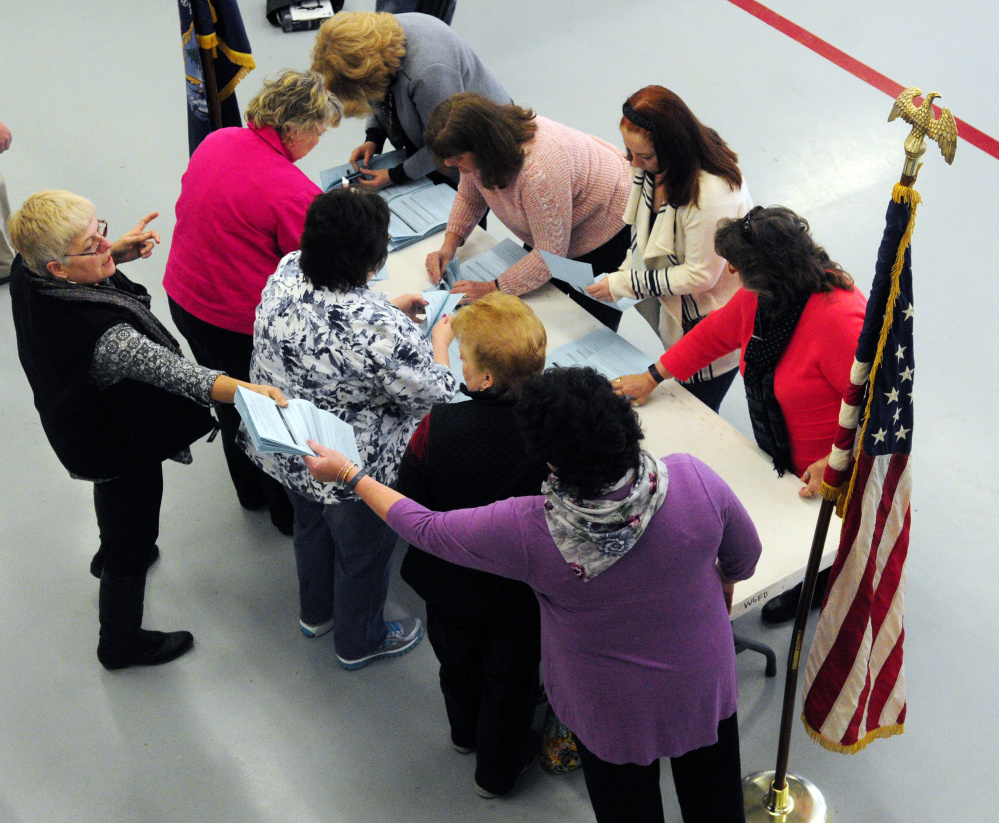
(796, 321)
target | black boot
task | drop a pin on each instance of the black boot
(97, 561)
(123, 641)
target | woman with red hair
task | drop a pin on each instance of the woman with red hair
(685, 179)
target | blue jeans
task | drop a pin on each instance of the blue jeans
(343, 552)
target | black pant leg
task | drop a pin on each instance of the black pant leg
(509, 697)
(709, 780)
(622, 792)
(128, 517)
(458, 644)
(604, 259)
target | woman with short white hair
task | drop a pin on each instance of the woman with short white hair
(114, 395)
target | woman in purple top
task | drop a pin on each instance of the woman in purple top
(633, 562)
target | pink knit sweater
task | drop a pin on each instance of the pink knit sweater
(568, 199)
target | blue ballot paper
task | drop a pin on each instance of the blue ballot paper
(579, 276)
(452, 274)
(487, 267)
(417, 213)
(439, 303)
(576, 274)
(604, 350)
(276, 430)
(346, 174)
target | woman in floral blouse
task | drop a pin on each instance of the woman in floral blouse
(322, 335)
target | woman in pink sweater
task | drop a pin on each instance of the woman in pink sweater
(795, 322)
(241, 209)
(557, 189)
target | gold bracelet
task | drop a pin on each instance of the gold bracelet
(344, 469)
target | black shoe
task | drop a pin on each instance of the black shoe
(149, 648)
(97, 562)
(784, 606)
(123, 641)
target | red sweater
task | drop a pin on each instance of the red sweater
(241, 209)
(810, 378)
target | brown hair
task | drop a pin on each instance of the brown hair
(777, 258)
(503, 336)
(495, 135)
(357, 52)
(684, 146)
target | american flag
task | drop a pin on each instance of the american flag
(855, 680)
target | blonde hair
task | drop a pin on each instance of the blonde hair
(357, 52)
(295, 102)
(503, 336)
(44, 228)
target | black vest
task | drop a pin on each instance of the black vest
(95, 433)
(475, 457)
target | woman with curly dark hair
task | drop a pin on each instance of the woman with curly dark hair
(322, 335)
(795, 321)
(633, 561)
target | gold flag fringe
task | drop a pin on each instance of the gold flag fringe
(899, 194)
(831, 745)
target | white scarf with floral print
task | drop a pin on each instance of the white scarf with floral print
(592, 535)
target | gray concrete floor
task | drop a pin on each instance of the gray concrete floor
(259, 724)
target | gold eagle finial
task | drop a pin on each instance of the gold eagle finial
(942, 130)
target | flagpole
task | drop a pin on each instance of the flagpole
(772, 795)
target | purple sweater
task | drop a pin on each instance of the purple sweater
(639, 662)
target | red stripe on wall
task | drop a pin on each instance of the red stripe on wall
(874, 78)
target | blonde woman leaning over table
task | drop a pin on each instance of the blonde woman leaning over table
(684, 180)
(396, 68)
(795, 323)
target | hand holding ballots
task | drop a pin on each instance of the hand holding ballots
(439, 304)
(274, 430)
(579, 276)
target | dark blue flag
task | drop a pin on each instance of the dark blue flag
(217, 27)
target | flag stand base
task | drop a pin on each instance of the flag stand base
(800, 802)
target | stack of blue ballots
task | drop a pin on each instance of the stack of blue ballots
(276, 430)
(417, 208)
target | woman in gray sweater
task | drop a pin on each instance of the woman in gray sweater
(396, 69)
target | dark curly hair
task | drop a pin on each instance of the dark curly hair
(345, 239)
(495, 135)
(572, 419)
(777, 258)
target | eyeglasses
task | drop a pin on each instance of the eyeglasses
(102, 234)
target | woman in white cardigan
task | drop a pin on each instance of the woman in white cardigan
(685, 179)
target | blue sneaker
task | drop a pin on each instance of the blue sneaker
(316, 631)
(402, 636)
